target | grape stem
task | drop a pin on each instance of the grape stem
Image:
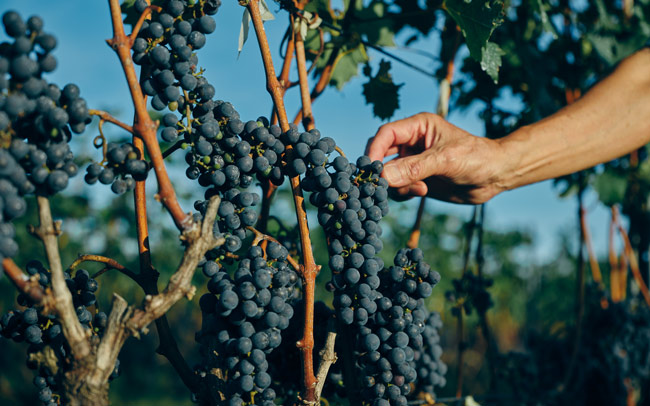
(177, 145)
(109, 262)
(143, 16)
(105, 116)
(23, 283)
(319, 53)
(144, 127)
(308, 268)
(199, 240)
(259, 237)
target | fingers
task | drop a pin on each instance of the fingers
(407, 192)
(418, 188)
(401, 172)
(391, 135)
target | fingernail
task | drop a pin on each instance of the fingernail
(391, 173)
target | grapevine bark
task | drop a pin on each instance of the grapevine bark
(48, 231)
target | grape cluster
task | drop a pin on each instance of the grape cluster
(243, 317)
(428, 363)
(165, 48)
(122, 167)
(389, 340)
(247, 307)
(350, 205)
(43, 332)
(37, 120)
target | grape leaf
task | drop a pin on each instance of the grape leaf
(381, 91)
(491, 60)
(371, 22)
(347, 66)
(477, 20)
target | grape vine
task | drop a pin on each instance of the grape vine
(255, 283)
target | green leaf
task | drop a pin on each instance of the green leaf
(381, 91)
(371, 22)
(322, 7)
(477, 20)
(610, 187)
(347, 66)
(130, 14)
(491, 60)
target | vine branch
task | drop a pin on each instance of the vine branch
(125, 321)
(308, 267)
(199, 240)
(48, 231)
(307, 116)
(109, 262)
(144, 127)
(23, 283)
(319, 87)
(327, 357)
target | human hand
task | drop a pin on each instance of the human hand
(439, 160)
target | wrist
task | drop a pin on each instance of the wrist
(511, 172)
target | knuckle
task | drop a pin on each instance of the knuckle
(414, 169)
(383, 128)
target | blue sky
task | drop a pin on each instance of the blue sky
(85, 59)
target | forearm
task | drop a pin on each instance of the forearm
(611, 120)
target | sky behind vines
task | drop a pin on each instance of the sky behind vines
(83, 56)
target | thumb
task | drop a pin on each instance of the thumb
(405, 171)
